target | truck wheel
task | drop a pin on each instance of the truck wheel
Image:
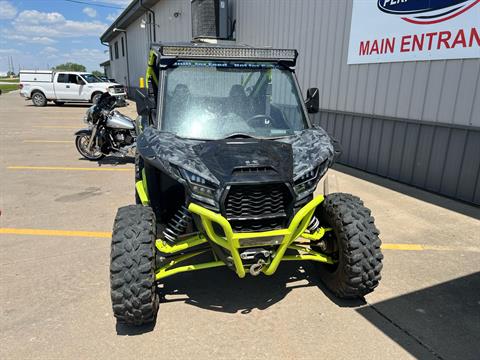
(96, 97)
(132, 266)
(39, 99)
(353, 243)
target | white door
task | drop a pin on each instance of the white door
(68, 87)
(85, 90)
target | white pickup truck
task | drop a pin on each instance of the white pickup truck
(66, 86)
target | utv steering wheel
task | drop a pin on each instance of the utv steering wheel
(255, 122)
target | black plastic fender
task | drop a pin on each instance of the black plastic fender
(83, 131)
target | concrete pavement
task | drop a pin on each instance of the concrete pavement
(54, 289)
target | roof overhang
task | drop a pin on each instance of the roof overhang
(105, 63)
(133, 11)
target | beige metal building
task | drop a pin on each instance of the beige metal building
(417, 122)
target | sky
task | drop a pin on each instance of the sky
(39, 34)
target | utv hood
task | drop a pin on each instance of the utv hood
(223, 161)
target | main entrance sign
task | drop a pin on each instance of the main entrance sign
(412, 30)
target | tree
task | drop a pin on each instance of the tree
(97, 73)
(69, 66)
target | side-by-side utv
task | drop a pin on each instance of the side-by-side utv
(226, 170)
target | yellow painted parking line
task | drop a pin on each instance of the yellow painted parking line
(45, 232)
(451, 248)
(107, 234)
(67, 168)
(49, 141)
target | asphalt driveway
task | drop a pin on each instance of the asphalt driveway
(57, 212)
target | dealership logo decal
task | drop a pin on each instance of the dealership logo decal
(425, 12)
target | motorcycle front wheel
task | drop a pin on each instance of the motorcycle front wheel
(81, 142)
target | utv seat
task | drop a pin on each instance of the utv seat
(238, 102)
(179, 102)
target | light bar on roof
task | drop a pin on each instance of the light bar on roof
(203, 52)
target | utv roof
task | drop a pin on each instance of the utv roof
(205, 51)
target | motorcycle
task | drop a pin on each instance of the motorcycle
(109, 132)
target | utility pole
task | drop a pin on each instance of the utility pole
(11, 67)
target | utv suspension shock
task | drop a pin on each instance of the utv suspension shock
(313, 225)
(177, 224)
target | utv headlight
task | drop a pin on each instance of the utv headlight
(199, 186)
(307, 182)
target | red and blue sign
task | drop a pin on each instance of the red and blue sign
(414, 30)
(424, 12)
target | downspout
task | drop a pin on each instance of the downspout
(153, 20)
(128, 67)
(109, 56)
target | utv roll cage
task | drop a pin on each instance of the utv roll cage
(163, 55)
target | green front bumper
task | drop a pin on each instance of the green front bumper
(233, 242)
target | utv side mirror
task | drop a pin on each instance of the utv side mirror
(312, 102)
(144, 103)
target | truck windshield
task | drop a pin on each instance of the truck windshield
(90, 78)
(216, 100)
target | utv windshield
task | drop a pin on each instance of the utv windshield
(213, 100)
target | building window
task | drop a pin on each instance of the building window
(111, 52)
(123, 48)
(116, 49)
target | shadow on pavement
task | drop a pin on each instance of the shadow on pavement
(423, 195)
(74, 105)
(112, 160)
(221, 290)
(128, 330)
(116, 160)
(443, 319)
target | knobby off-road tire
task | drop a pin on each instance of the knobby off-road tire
(132, 266)
(356, 239)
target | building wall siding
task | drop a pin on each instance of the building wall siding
(436, 91)
(168, 28)
(171, 28)
(415, 122)
(118, 66)
(138, 48)
(438, 158)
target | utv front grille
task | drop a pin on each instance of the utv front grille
(257, 207)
